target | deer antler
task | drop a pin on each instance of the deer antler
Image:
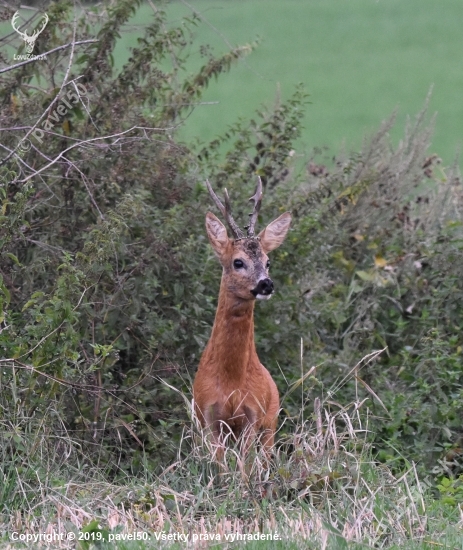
(257, 198)
(226, 211)
(44, 24)
(13, 24)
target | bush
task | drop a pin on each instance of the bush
(108, 283)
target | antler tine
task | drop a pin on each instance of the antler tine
(238, 234)
(13, 23)
(216, 199)
(257, 198)
(226, 211)
(45, 19)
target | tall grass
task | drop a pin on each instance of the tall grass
(322, 490)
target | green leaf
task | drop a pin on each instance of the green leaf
(365, 275)
(14, 258)
(5, 291)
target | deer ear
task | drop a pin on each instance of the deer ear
(217, 234)
(274, 234)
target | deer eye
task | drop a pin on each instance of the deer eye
(268, 264)
(237, 264)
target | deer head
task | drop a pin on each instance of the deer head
(244, 258)
(29, 40)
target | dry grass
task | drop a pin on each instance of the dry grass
(322, 488)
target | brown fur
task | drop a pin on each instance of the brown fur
(233, 392)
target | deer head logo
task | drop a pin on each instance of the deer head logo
(29, 40)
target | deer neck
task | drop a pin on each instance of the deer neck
(232, 340)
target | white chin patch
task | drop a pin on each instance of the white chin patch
(263, 297)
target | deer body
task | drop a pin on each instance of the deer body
(234, 394)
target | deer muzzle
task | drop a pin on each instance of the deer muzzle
(263, 290)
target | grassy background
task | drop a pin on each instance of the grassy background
(358, 59)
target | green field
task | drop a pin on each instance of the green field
(358, 59)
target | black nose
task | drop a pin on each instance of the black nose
(264, 287)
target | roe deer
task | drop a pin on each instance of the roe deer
(234, 394)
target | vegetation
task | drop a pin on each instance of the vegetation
(360, 61)
(108, 290)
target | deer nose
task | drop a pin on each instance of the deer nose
(264, 287)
